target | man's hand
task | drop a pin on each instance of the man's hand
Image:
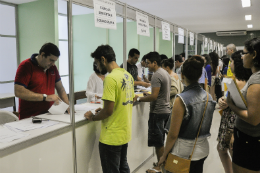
(146, 94)
(146, 85)
(53, 98)
(89, 115)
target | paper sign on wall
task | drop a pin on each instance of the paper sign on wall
(166, 31)
(206, 42)
(142, 23)
(191, 38)
(181, 35)
(105, 14)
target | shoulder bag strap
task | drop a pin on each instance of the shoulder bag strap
(200, 125)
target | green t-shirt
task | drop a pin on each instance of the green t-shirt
(118, 88)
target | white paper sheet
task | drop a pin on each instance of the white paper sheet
(58, 109)
(142, 24)
(7, 135)
(26, 124)
(166, 31)
(105, 14)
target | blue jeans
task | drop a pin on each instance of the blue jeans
(113, 158)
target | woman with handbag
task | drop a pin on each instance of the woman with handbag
(187, 146)
(246, 147)
(228, 117)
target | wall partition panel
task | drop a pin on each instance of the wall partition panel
(86, 38)
(165, 46)
(115, 40)
(179, 47)
(132, 37)
(146, 44)
(200, 43)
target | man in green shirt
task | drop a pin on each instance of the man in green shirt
(116, 116)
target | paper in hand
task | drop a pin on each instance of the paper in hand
(58, 109)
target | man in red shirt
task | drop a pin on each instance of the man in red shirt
(35, 82)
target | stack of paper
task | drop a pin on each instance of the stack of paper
(7, 135)
(26, 124)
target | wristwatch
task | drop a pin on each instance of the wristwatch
(138, 99)
(44, 97)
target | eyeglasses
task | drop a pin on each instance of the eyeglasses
(244, 53)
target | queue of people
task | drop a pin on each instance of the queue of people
(188, 110)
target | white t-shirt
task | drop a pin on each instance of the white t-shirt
(94, 87)
(140, 70)
(183, 148)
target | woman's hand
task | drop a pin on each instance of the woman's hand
(222, 103)
(162, 160)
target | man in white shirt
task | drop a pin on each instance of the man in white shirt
(141, 69)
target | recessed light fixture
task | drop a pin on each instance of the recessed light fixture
(246, 3)
(249, 26)
(248, 17)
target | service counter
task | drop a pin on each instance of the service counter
(51, 150)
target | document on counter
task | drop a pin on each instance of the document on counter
(26, 124)
(7, 135)
(58, 109)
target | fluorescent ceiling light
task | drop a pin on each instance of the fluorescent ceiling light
(248, 17)
(246, 3)
(249, 26)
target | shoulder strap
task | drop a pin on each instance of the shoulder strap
(200, 125)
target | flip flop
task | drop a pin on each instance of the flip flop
(155, 171)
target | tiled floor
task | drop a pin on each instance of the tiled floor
(212, 163)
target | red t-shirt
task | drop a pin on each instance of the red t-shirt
(30, 75)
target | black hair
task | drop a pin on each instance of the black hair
(225, 61)
(144, 58)
(214, 60)
(192, 68)
(163, 57)
(50, 49)
(178, 58)
(105, 51)
(154, 56)
(241, 73)
(168, 63)
(133, 51)
(224, 56)
(95, 68)
(251, 46)
(189, 56)
(208, 59)
(183, 54)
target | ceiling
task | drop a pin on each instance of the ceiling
(203, 16)
(200, 16)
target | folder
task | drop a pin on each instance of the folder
(235, 93)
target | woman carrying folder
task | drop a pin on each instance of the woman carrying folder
(246, 147)
(228, 118)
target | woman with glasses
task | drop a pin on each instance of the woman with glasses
(228, 117)
(246, 147)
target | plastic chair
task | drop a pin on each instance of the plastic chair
(6, 117)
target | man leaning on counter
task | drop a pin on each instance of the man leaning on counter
(35, 82)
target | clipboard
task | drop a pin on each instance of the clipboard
(237, 96)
